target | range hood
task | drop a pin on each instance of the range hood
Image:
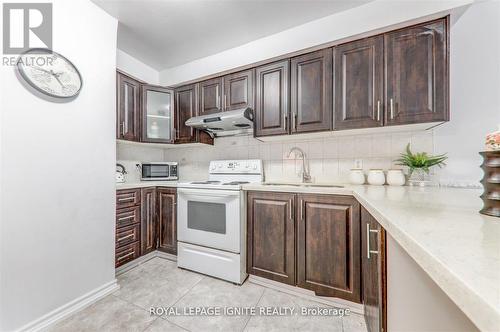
(228, 123)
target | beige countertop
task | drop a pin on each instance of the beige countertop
(441, 230)
(145, 184)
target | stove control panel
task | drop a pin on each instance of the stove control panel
(253, 166)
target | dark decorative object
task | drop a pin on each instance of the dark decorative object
(491, 183)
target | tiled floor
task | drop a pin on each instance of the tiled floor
(158, 282)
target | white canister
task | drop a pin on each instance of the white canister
(376, 177)
(356, 176)
(395, 177)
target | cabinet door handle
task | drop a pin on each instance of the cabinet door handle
(294, 121)
(126, 218)
(285, 117)
(392, 108)
(368, 250)
(378, 110)
(301, 213)
(126, 199)
(125, 237)
(122, 128)
(225, 102)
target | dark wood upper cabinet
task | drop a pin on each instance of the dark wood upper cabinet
(127, 107)
(311, 92)
(271, 236)
(358, 84)
(238, 90)
(148, 220)
(167, 220)
(157, 114)
(272, 112)
(374, 288)
(211, 96)
(416, 61)
(328, 245)
(186, 106)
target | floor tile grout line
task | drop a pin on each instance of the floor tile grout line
(180, 298)
(179, 326)
(161, 317)
(257, 304)
(187, 291)
(149, 325)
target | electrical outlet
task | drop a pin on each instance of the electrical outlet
(358, 163)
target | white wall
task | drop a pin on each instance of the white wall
(57, 175)
(360, 20)
(414, 301)
(136, 68)
(474, 90)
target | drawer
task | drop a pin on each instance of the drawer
(128, 197)
(128, 216)
(127, 235)
(127, 253)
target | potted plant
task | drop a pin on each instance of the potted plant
(419, 164)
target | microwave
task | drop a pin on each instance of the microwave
(158, 171)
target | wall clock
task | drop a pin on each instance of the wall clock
(50, 73)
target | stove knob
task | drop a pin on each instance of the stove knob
(254, 167)
(212, 167)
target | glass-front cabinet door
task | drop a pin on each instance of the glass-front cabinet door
(157, 114)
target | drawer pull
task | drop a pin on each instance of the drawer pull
(126, 199)
(125, 237)
(126, 256)
(126, 218)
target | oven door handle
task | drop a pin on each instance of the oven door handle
(208, 193)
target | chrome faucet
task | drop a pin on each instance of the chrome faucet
(306, 177)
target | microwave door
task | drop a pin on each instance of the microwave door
(152, 171)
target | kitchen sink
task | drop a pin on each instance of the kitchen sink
(295, 184)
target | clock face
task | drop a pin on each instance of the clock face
(50, 73)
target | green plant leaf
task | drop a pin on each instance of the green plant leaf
(420, 160)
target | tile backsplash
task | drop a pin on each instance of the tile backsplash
(330, 159)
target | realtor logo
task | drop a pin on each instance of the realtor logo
(25, 26)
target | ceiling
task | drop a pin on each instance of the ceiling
(166, 33)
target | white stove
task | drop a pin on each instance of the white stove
(229, 175)
(211, 220)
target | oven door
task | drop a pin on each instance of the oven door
(210, 218)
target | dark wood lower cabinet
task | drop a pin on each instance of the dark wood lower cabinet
(167, 212)
(128, 226)
(328, 245)
(271, 236)
(312, 241)
(148, 220)
(373, 248)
